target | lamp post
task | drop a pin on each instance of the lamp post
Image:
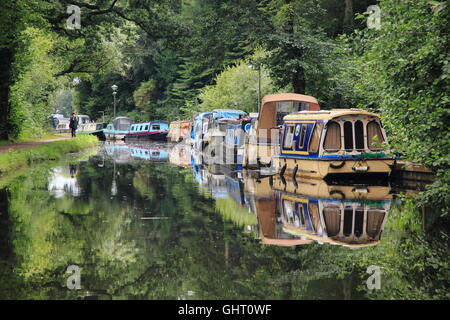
(114, 88)
(257, 67)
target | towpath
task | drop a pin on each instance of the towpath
(23, 145)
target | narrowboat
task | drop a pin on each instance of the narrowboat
(264, 135)
(153, 130)
(215, 136)
(63, 126)
(352, 216)
(54, 120)
(217, 126)
(327, 144)
(236, 132)
(199, 128)
(150, 153)
(93, 128)
(179, 131)
(83, 119)
(118, 128)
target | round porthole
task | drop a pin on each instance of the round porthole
(297, 129)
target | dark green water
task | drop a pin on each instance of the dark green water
(142, 227)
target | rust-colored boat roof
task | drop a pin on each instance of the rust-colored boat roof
(277, 97)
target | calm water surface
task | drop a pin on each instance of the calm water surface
(154, 222)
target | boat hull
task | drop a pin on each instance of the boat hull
(160, 136)
(322, 168)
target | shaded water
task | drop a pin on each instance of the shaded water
(153, 222)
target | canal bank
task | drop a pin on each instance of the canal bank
(12, 160)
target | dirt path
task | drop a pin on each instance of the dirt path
(23, 145)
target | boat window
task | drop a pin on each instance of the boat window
(314, 214)
(375, 218)
(315, 137)
(348, 221)
(146, 127)
(284, 108)
(156, 127)
(359, 222)
(374, 136)
(301, 141)
(332, 141)
(359, 135)
(348, 135)
(289, 137)
(332, 216)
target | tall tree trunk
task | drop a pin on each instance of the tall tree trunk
(6, 57)
(298, 76)
(348, 16)
(299, 81)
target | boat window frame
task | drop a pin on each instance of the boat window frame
(369, 140)
(332, 122)
(156, 127)
(288, 127)
(362, 136)
(302, 136)
(346, 139)
(316, 126)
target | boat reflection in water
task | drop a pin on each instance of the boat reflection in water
(180, 155)
(149, 152)
(119, 151)
(296, 212)
(262, 201)
(349, 215)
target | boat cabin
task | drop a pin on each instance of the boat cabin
(339, 141)
(265, 132)
(152, 130)
(118, 128)
(179, 130)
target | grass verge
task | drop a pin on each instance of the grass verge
(14, 160)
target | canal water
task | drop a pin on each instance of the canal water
(154, 222)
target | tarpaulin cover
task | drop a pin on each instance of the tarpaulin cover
(198, 119)
(228, 114)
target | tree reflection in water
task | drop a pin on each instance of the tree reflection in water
(225, 234)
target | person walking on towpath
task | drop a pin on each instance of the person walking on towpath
(73, 124)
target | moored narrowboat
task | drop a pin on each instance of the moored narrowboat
(199, 128)
(93, 128)
(264, 136)
(63, 126)
(323, 144)
(118, 128)
(153, 130)
(221, 122)
(179, 131)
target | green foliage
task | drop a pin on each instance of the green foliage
(237, 88)
(402, 71)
